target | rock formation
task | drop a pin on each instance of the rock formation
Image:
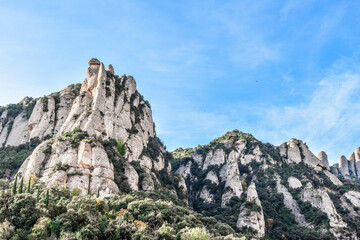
(252, 217)
(84, 125)
(99, 137)
(348, 169)
(322, 156)
(236, 173)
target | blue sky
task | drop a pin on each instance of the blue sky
(276, 69)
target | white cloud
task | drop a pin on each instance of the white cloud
(328, 121)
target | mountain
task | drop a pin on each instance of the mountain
(86, 163)
(276, 192)
(348, 168)
(84, 124)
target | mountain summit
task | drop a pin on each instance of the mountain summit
(84, 123)
(267, 190)
(98, 139)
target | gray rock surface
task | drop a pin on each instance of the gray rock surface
(294, 182)
(322, 156)
(253, 219)
(19, 132)
(107, 107)
(291, 203)
(319, 198)
(344, 167)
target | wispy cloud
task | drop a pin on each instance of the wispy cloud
(329, 120)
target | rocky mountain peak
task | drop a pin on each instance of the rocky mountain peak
(102, 136)
(322, 156)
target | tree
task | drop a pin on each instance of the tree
(47, 198)
(29, 185)
(38, 195)
(21, 187)
(14, 185)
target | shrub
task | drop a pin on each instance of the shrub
(166, 232)
(195, 234)
(121, 147)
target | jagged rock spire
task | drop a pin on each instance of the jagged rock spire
(344, 166)
(106, 108)
(323, 157)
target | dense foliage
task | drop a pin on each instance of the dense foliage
(11, 157)
(58, 214)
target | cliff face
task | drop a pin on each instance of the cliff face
(84, 124)
(263, 189)
(98, 137)
(36, 118)
(348, 168)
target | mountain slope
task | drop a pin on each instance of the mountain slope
(98, 139)
(84, 124)
(273, 192)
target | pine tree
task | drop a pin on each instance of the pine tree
(29, 185)
(38, 195)
(14, 185)
(47, 199)
(20, 190)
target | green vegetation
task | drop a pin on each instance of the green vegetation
(119, 162)
(14, 187)
(55, 213)
(21, 186)
(60, 167)
(30, 107)
(11, 158)
(282, 223)
(75, 137)
(121, 147)
(45, 102)
(154, 148)
(75, 116)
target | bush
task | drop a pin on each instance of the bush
(121, 147)
(195, 234)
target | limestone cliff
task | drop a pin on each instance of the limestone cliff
(85, 124)
(348, 168)
(260, 188)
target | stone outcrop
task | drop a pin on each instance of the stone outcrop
(37, 118)
(319, 198)
(344, 167)
(294, 182)
(322, 156)
(348, 168)
(226, 166)
(85, 167)
(357, 161)
(252, 218)
(295, 151)
(289, 200)
(19, 133)
(333, 178)
(354, 198)
(105, 108)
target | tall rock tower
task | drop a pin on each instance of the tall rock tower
(107, 113)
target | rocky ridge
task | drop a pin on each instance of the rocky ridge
(99, 137)
(253, 186)
(85, 124)
(348, 168)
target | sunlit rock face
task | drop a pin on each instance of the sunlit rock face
(245, 179)
(348, 168)
(105, 108)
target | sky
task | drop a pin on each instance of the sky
(275, 69)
